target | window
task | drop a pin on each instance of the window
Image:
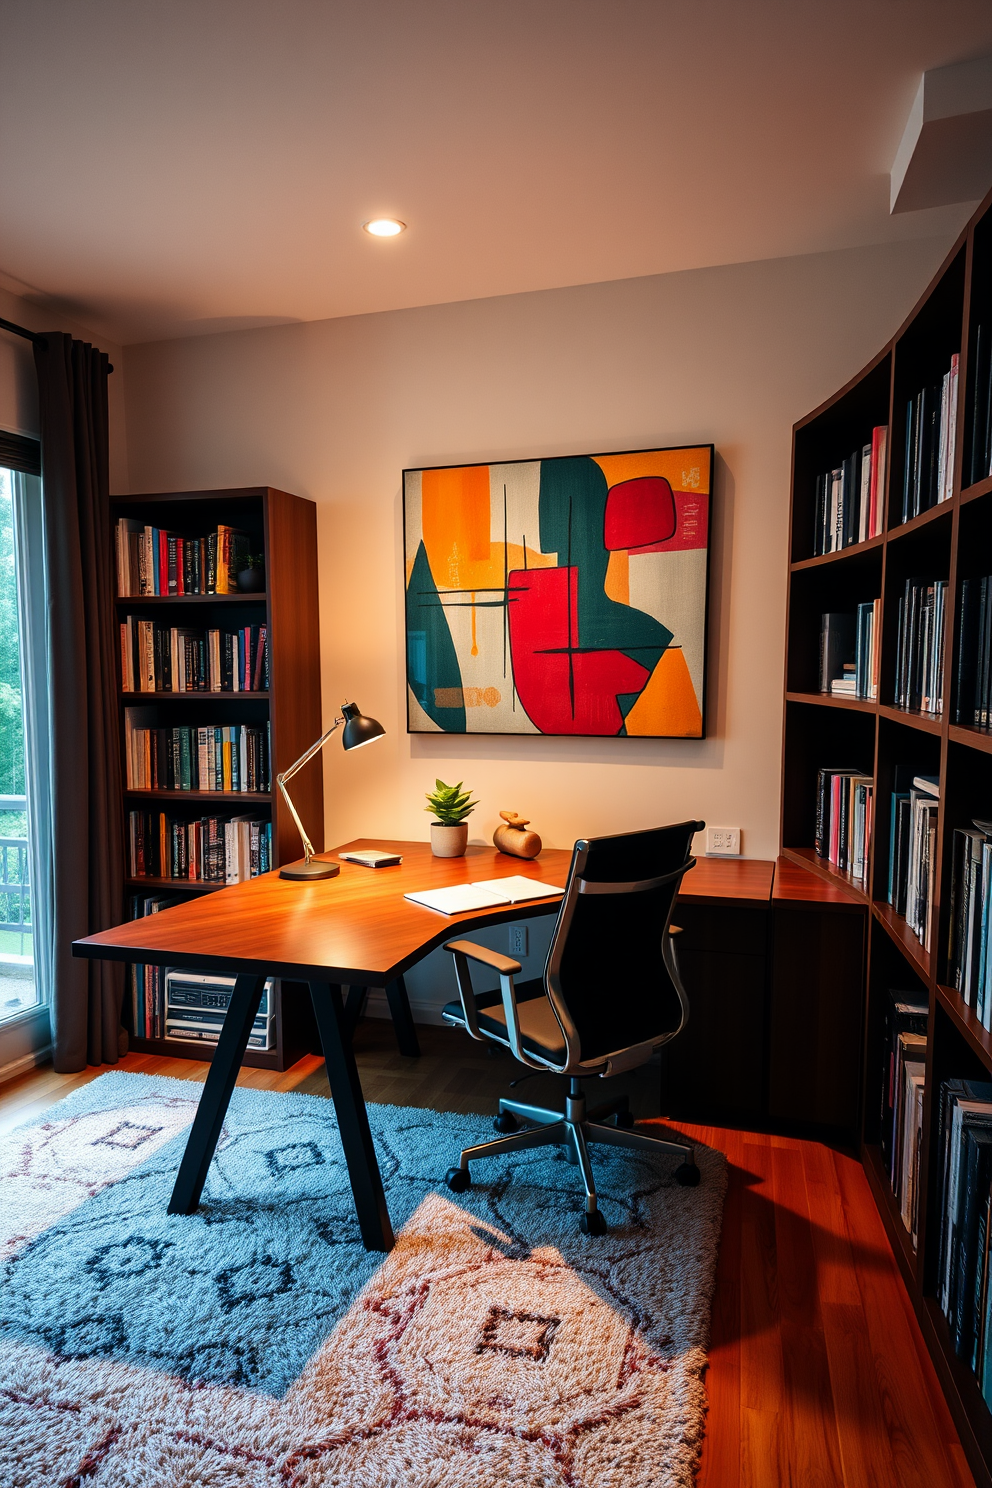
(19, 991)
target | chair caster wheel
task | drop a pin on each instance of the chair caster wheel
(625, 1118)
(505, 1122)
(593, 1224)
(458, 1180)
(687, 1175)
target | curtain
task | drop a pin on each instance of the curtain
(32, 617)
(88, 836)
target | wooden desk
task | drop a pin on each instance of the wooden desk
(356, 929)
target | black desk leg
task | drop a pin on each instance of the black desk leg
(353, 1120)
(354, 1006)
(216, 1097)
(403, 1024)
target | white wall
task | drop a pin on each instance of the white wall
(334, 410)
(19, 386)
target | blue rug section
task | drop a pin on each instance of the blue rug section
(245, 1291)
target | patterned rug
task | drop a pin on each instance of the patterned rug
(256, 1344)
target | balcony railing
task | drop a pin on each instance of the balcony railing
(15, 884)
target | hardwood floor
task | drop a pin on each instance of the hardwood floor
(818, 1374)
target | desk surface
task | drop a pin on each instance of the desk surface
(358, 928)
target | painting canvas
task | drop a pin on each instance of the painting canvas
(560, 596)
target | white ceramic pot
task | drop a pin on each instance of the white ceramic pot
(449, 842)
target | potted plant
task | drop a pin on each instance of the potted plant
(449, 805)
(251, 578)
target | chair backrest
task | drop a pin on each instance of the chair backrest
(606, 974)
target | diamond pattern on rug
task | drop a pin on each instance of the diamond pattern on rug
(257, 1344)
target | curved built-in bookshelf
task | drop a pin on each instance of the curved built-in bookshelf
(951, 540)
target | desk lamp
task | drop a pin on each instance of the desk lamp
(358, 730)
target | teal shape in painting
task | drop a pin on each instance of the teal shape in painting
(572, 511)
(431, 660)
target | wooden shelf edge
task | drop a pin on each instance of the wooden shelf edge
(852, 550)
(903, 938)
(807, 858)
(980, 488)
(927, 723)
(888, 1207)
(831, 700)
(965, 1020)
(191, 885)
(169, 697)
(159, 599)
(225, 797)
(971, 738)
(270, 1059)
(906, 529)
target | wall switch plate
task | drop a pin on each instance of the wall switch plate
(723, 842)
(518, 940)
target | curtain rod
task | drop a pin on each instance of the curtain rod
(8, 325)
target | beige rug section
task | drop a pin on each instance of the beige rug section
(465, 1360)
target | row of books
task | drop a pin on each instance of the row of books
(964, 1157)
(904, 1044)
(850, 647)
(191, 1006)
(174, 658)
(931, 436)
(913, 850)
(969, 964)
(146, 983)
(973, 693)
(843, 819)
(919, 680)
(979, 454)
(234, 757)
(152, 561)
(208, 849)
(850, 499)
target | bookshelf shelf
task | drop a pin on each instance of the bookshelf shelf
(283, 528)
(244, 696)
(853, 550)
(916, 388)
(247, 798)
(191, 885)
(139, 601)
(831, 700)
(971, 738)
(927, 723)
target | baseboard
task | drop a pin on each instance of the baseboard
(26, 1062)
(423, 1012)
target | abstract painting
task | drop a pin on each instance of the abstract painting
(560, 596)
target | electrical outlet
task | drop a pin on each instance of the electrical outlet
(723, 841)
(518, 940)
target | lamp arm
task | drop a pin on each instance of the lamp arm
(285, 775)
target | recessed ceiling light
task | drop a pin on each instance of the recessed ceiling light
(384, 227)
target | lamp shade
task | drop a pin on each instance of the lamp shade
(357, 728)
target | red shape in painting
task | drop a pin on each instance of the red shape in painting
(544, 626)
(639, 512)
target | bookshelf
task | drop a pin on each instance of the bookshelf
(950, 541)
(283, 528)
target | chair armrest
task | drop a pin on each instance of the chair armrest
(466, 950)
(505, 965)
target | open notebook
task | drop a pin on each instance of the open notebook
(486, 895)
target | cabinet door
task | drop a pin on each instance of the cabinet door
(716, 1067)
(816, 1015)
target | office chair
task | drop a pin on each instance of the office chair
(611, 996)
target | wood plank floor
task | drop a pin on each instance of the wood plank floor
(818, 1375)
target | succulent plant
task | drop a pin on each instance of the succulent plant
(449, 804)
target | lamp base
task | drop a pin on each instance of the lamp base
(304, 871)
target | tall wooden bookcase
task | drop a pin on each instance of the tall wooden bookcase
(284, 529)
(952, 541)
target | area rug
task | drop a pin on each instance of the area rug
(256, 1344)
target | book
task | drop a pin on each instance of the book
(460, 898)
(837, 645)
(844, 818)
(371, 859)
(905, 1013)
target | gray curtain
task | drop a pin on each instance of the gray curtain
(88, 835)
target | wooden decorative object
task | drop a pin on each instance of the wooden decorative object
(514, 839)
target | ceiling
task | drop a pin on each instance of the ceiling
(188, 166)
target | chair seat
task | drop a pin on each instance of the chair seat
(539, 1031)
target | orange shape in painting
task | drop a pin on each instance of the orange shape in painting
(617, 583)
(455, 523)
(668, 704)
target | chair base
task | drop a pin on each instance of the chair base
(572, 1130)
